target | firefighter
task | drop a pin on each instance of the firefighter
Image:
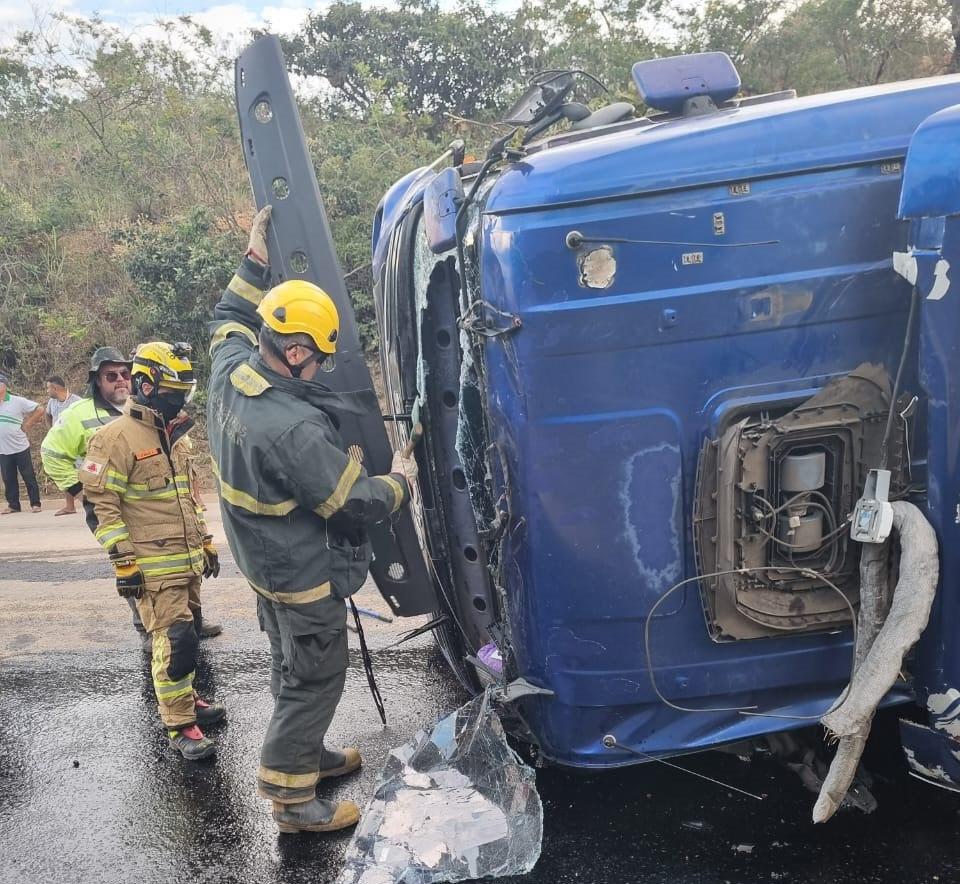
(139, 502)
(65, 445)
(294, 509)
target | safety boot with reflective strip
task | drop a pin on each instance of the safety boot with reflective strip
(315, 815)
(283, 788)
(191, 743)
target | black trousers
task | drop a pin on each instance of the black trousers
(308, 647)
(9, 465)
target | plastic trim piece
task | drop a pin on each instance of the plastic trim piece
(301, 246)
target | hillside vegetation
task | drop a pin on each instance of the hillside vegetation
(123, 195)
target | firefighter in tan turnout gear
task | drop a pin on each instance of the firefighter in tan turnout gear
(137, 496)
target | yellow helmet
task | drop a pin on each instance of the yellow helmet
(299, 306)
(165, 365)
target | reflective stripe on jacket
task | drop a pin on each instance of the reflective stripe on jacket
(294, 502)
(65, 445)
(137, 494)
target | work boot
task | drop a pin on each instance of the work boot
(338, 762)
(208, 713)
(205, 628)
(146, 643)
(209, 630)
(191, 743)
(315, 815)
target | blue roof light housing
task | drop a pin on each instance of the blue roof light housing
(666, 84)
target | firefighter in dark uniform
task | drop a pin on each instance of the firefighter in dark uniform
(294, 508)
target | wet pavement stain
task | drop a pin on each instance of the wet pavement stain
(132, 811)
(89, 790)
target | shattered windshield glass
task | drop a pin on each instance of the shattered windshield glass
(471, 437)
(455, 803)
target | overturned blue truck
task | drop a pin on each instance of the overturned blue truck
(688, 387)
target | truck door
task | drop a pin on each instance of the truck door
(930, 201)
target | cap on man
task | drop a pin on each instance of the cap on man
(64, 446)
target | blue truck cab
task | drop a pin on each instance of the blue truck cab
(672, 372)
(654, 359)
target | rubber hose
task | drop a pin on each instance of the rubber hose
(881, 648)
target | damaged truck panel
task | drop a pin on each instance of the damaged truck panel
(767, 498)
(600, 383)
(598, 402)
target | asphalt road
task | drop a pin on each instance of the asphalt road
(90, 792)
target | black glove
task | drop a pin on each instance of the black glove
(130, 581)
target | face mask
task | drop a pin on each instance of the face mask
(168, 406)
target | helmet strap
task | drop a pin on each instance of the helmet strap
(296, 370)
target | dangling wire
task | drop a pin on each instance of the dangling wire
(905, 415)
(610, 742)
(368, 665)
(745, 710)
(907, 340)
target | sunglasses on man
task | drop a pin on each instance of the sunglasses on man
(113, 376)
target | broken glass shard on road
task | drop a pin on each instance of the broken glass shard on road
(455, 803)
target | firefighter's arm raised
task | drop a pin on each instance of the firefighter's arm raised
(235, 320)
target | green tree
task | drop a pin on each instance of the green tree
(731, 27)
(355, 166)
(819, 45)
(604, 38)
(101, 134)
(177, 268)
(463, 61)
(953, 66)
